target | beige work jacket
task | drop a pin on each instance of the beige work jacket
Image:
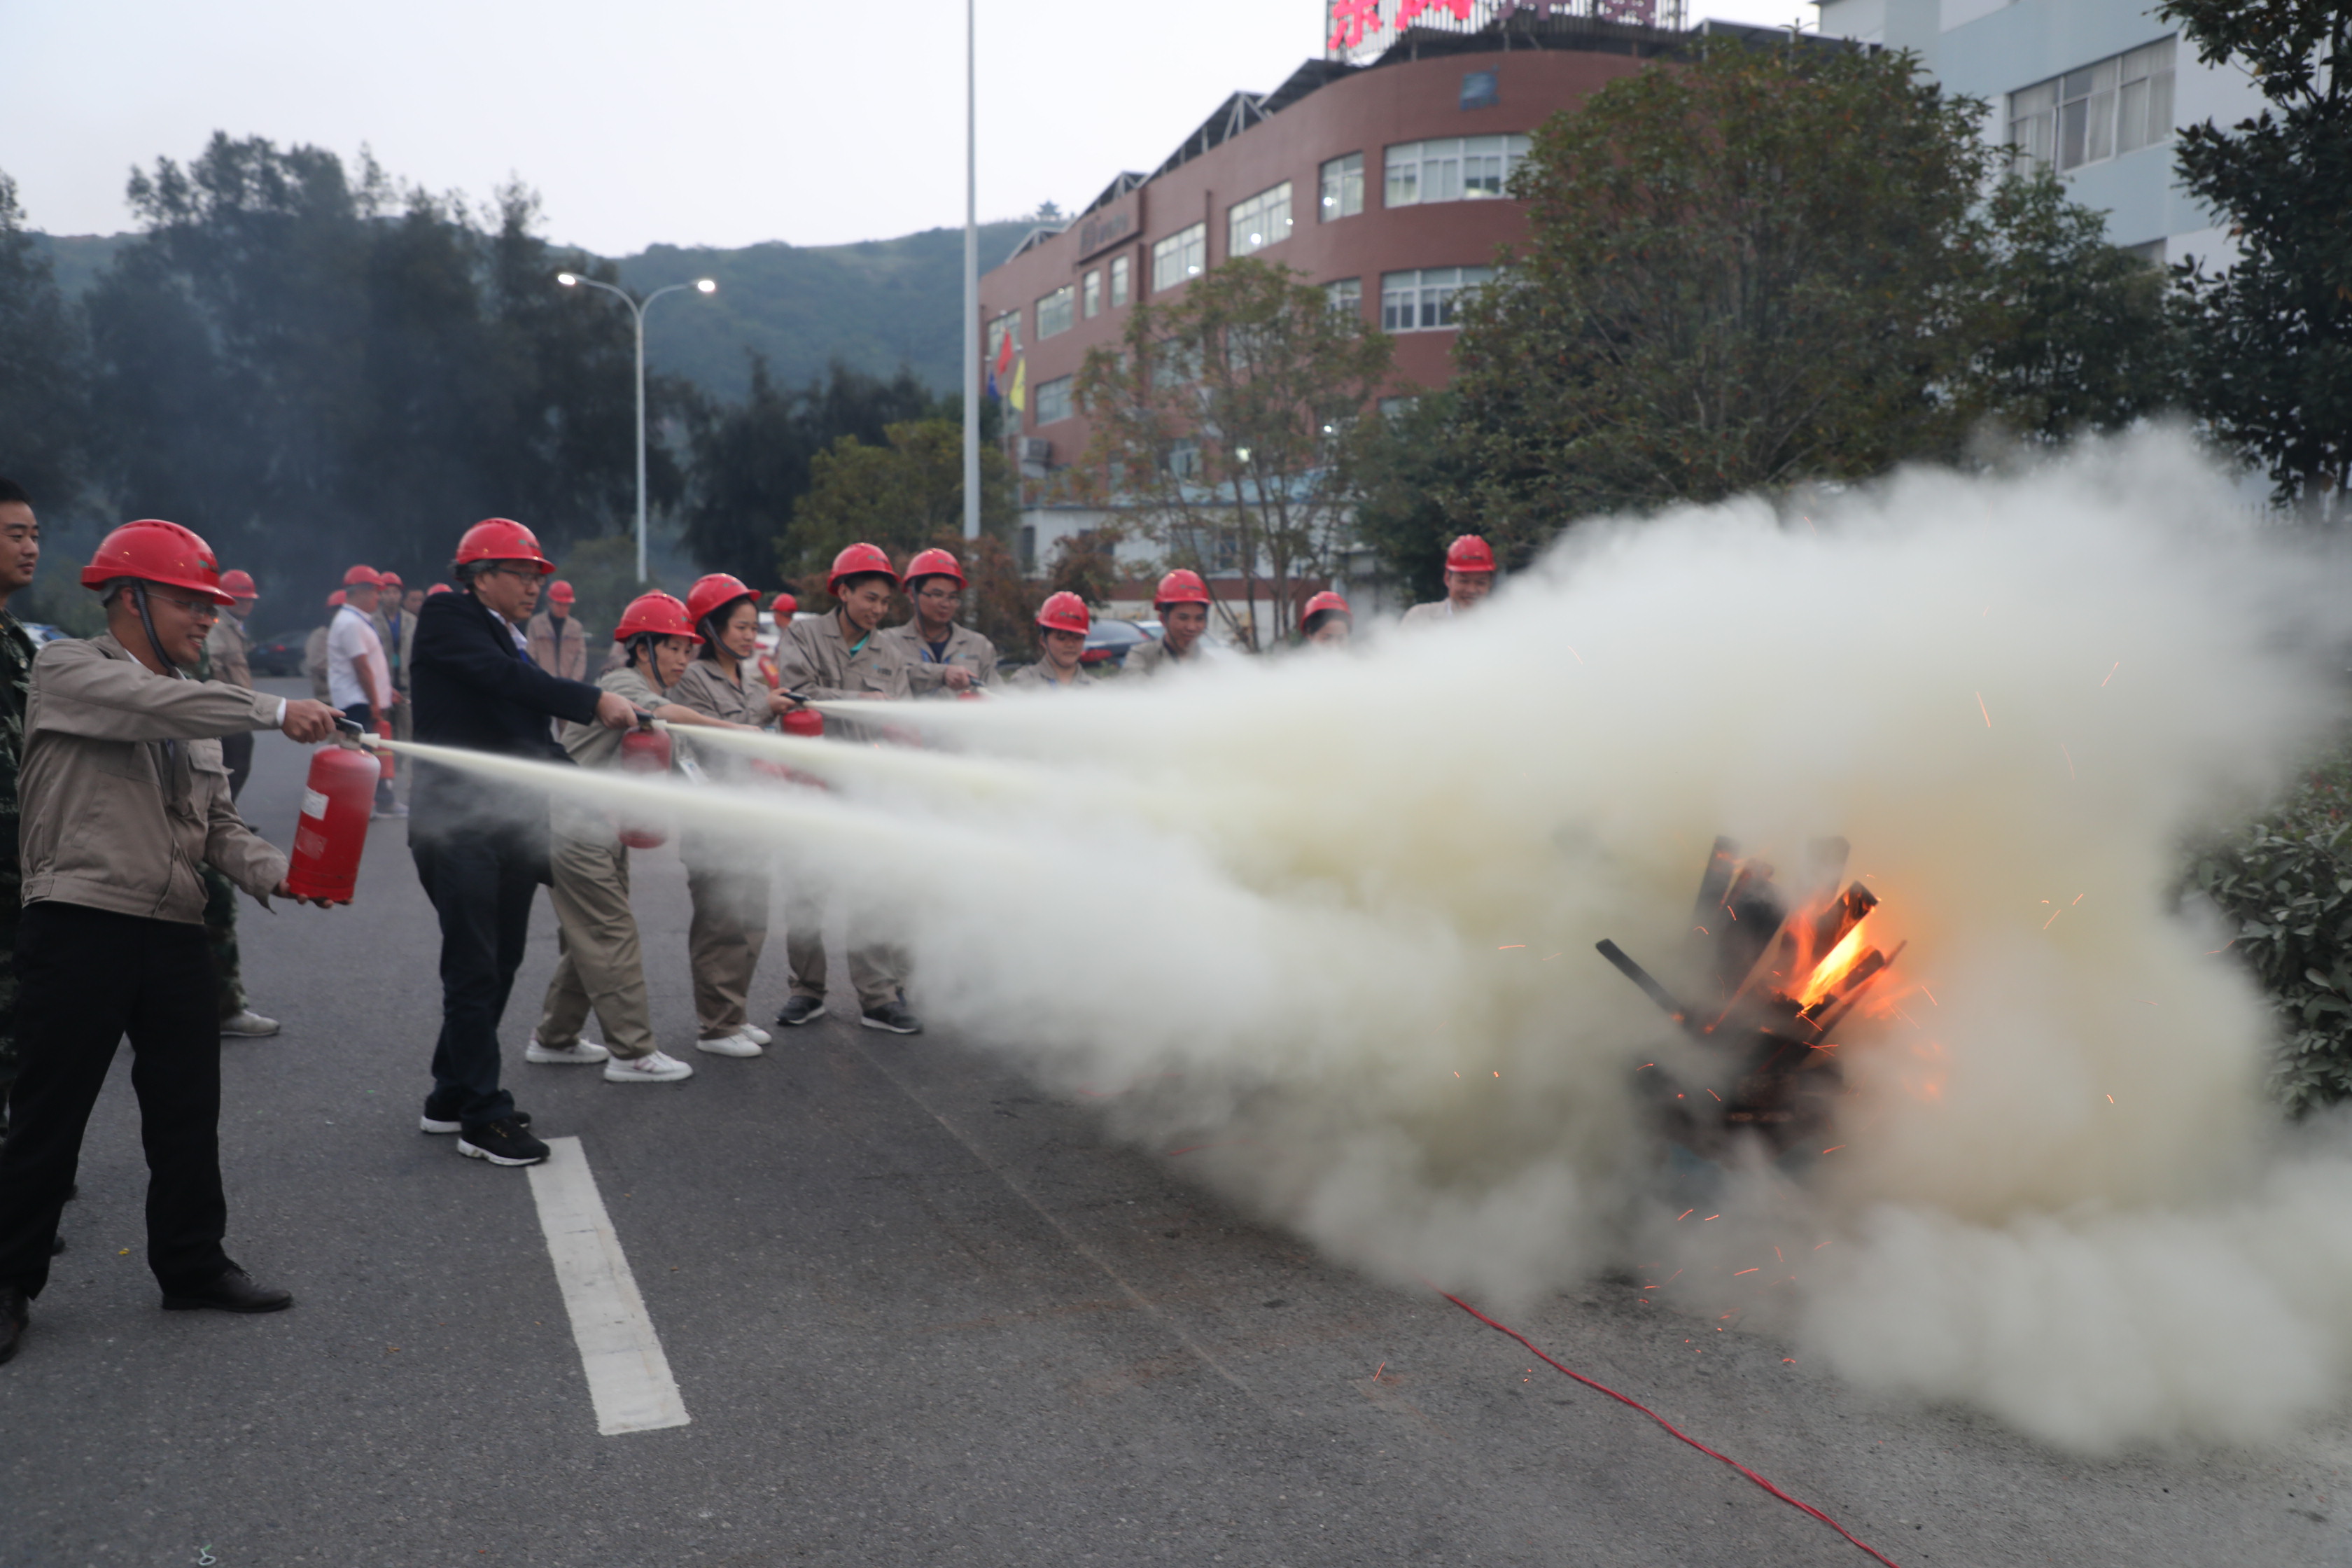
(814, 662)
(1434, 613)
(927, 676)
(227, 644)
(124, 793)
(1037, 676)
(567, 657)
(1152, 658)
(595, 746)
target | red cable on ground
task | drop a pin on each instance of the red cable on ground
(1670, 1426)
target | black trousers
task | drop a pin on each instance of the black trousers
(85, 979)
(481, 883)
(236, 755)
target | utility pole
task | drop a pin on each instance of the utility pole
(971, 270)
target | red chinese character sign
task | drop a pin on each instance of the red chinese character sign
(1350, 20)
(1355, 22)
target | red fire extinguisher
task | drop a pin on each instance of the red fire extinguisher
(383, 732)
(643, 752)
(805, 722)
(332, 829)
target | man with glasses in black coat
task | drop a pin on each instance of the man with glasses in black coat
(481, 847)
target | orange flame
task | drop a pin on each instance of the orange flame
(1840, 962)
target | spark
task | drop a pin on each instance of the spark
(1458, 1075)
(1788, 1360)
(1701, 929)
(1717, 1098)
(2070, 758)
(2111, 1099)
(1757, 1269)
(1931, 998)
(1711, 1217)
(2052, 920)
(1678, 1219)
(1819, 1244)
(1983, 709)
(2110, 674)
(1579, 658)
(1498, 1075)
(1377, 1371)
(1511, 946)
(1831, 1150)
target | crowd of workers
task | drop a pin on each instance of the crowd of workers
(121, 756)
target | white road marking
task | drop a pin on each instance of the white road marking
(628, 1376)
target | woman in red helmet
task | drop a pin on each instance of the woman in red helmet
(841, 656)
(1062, 626)
(727, 878)
(602, 960)
(1327, 622)
(942, 658)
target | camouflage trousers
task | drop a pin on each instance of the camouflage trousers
(220, 934)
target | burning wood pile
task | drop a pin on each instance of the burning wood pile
(1777, 973)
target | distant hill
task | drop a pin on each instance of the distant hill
(875, 305)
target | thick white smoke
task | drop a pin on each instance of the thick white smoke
(1327, 924)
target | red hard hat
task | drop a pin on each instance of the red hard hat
(711, 594)
(1065, 612)
(501, 539)
(857, 559)
(560, 591)
(785, 604)
(935, 564)
(363, 577)
(1326, 600)
(438, 589)
(335, 600)
(657, 613)
(156, 552)
(1180, 587)
(238, 585)
(391, 579)
(1469, 553)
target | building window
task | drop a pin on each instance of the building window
(1007, 325)
(1118, 270)
(1423, 301)
(1180, 256)
(1343, 186)
(1459, 169)
(1026, 552)
(1056, 313)
(1184, 457)
(1261, 221)
(1481, 90)
(1054, 399)
(2117, 105)
(1393, 408)
(1093, 293)
(1346, 297)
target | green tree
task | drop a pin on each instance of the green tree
(754, 460)
(44, 372)
(904, 495)
(1414, 466)
(1776, 264)
(1224, 427)
(2271, 338)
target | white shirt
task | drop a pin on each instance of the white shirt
(350, 638)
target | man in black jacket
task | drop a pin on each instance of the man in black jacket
(480, 848)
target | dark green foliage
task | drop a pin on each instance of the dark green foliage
(44, 372)
(2286, 883)
(2270, 367)
(1409, 465)
(309, 370)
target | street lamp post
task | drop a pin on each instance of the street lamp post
(637, 310)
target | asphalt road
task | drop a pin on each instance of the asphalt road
(917, 1312)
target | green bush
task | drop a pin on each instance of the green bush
(2286, 884)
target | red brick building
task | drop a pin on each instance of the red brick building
(1383, 183)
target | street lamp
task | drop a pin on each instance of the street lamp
(637, 310)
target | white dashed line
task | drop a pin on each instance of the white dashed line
(628, 1376)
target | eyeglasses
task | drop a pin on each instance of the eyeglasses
(201, 609)
(941, 595)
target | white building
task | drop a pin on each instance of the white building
(2096, 87)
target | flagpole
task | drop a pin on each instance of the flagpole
(971, 270)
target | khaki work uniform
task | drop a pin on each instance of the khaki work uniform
(814, 662)
(559, 646)
(314, 664)
(601, 959)
(1155, 658)
(1434, 613)
(926, 670)
(224, 659)
(727, 877)
(1039, 677)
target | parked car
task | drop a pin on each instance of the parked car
(1112, 641)
(279, 655)
(42, 632)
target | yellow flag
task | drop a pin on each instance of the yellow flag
(1020, 394)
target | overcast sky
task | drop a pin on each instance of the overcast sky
(693, 122)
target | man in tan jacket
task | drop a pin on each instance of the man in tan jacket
(123, 797)
(1469, 578)
(1181, 603)
(941, 658)
(558, 645)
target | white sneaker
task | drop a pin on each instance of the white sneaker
(249, 1024)
(581, 1053)
(738, 1043)
(658, 1068)
(760, 1036)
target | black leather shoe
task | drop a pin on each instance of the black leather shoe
(56, 1244)
(16, 1314)
(234, 1291)
(801, 1010)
